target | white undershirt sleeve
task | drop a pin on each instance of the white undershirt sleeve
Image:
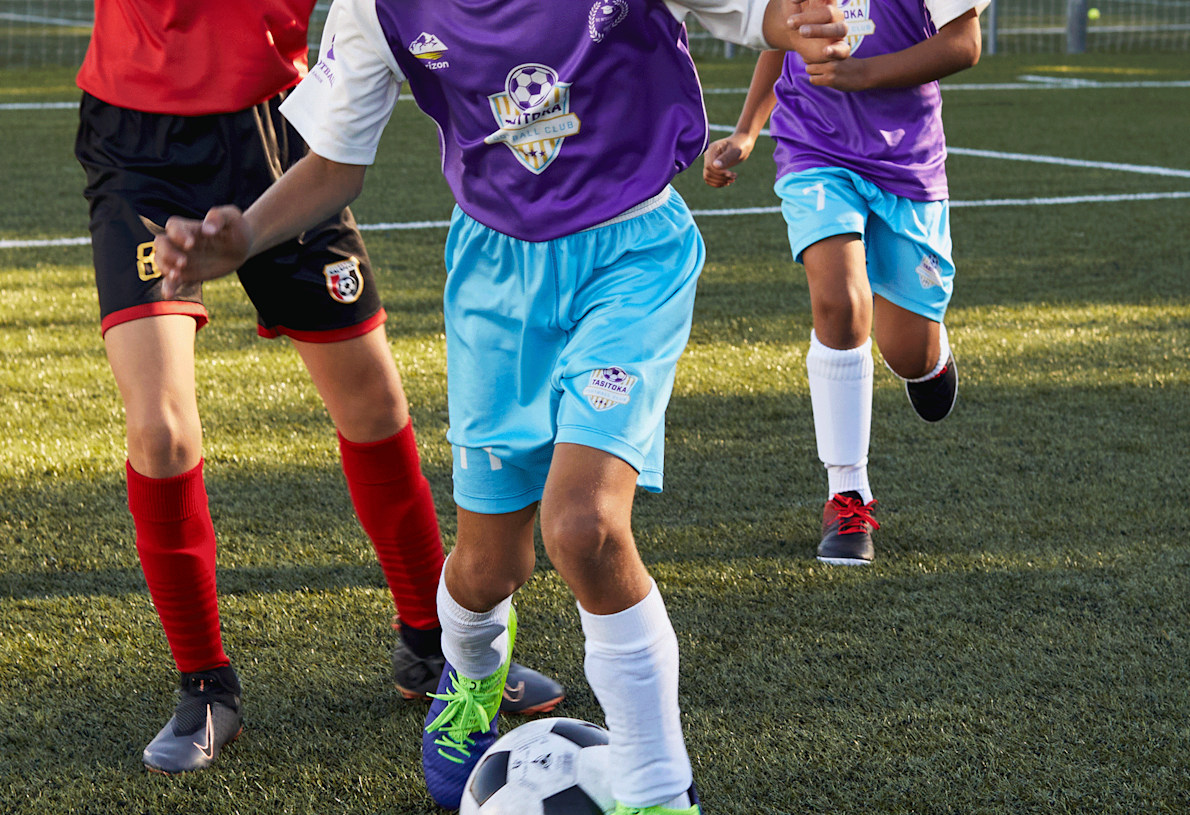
(946, 11)
(738, 21)
(344, 103)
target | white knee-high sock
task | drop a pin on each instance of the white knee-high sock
(632, 665)
(841, 395)
(474, 642)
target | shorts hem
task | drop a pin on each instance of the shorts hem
(914, 306)
(497, 506)
(331, 335)
(571, 434)
(827, 231)
(159, 309)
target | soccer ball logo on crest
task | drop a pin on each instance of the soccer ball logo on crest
(528, 85)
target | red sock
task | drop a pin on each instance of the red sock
(176, 543)
(395, 507)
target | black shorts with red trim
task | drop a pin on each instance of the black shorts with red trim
(318, 287)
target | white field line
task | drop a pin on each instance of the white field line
(1143, 169)
(39, 20)
(1028, 83)
(708, 213)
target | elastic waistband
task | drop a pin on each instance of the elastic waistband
(651, 204)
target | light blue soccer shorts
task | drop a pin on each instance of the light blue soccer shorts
(907, 243)
(573, 340)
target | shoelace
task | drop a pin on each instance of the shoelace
(462, 716)
(853, 514)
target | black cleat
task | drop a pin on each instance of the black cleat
(526, 692)
(208, 717)
(934, 399)
(847, 525)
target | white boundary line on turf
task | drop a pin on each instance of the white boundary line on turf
(1031, 83)
(1143, 169)
(705, 213)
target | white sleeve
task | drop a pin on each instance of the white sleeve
(946, 11)
(738, 21)
(344, 103)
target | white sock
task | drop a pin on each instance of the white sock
(944, 342)
(474, 642)
(841, 395)
(632, 665)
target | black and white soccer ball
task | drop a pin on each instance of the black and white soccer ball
(552, 766)
(528, 85)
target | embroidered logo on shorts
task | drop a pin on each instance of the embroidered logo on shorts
(343, 280)
(929, 272)
(609, 387)
(604, 16)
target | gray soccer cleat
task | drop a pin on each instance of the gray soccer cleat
(209, 716)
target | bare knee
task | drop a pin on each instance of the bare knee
(583, 541)
(163, 445)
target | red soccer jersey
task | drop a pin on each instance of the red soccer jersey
(194, 57)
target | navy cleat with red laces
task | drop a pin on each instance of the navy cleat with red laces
(847, 526)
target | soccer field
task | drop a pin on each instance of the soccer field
(1020, 645)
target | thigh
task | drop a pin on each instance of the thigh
(909, 255)
(502, 341)
(627, 324)
(141, 165)
(358, 381)
(818, 204)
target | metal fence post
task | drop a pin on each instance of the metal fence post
(1076, 26)
(991, 26)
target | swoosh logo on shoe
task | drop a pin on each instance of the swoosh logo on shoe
(207, 750)
(514, 693)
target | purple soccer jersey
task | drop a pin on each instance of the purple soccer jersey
(553, 117)
(891, 136)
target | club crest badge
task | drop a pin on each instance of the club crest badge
(609, 387)
(533, 115)
(929, 272)
(859, 23)
(604, 16)
(343, 280)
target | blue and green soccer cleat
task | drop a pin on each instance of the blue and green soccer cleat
(461, 726)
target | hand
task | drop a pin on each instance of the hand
(843, 75)
(821, 31)
(722, 154)
(191, 251)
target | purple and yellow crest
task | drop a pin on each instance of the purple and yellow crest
(533, 115)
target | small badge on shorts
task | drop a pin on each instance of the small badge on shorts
(929, 272)
(609, 387)
(343, 280)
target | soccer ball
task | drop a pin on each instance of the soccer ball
(528, 85)
(551, 766)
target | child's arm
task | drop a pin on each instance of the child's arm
(758, 106)
(813, 28)
(308, 193)
(956, 46)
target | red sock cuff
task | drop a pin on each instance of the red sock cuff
(381, 462)
(166, 500)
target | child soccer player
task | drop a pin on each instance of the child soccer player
(862, 180)
(179, 112)
(571, 270)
